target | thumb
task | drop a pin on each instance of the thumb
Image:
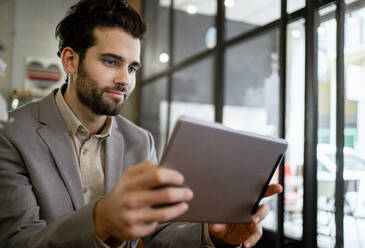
(217, 229)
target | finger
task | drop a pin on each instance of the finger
(254, 237)
(148, 198)
(163, 214)
(217, 227)
(273, 189)
(169, 195)
(218, 230)
(152, 177)
(261, 213)
(137, 169)
(163, 176)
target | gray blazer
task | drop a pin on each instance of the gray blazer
(41, 202)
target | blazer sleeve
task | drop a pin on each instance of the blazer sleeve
(20, 222)
(175, 235)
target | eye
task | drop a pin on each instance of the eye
(109, 62)
(132, 69)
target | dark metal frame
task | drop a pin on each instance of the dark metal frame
(311, 16)
(310, 127)
(219, 62)
(282, 112)
(340, 119)
(171, 63)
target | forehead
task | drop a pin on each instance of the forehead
(116, 41)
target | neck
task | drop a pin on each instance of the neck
(94, 123)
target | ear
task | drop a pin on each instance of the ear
(70, 60)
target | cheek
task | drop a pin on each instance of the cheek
(102, 76)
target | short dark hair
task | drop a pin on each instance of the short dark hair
(77, 27)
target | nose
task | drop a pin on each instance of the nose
(123, 77)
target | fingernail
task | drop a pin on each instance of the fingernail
(190, 194)
(184, 206)
(247, 244)
(181, 179)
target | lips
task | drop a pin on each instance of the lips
(116, 94)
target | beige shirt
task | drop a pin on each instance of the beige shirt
(89, 150)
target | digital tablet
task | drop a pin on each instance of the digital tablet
(228, 170)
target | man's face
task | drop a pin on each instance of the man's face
(107, 75)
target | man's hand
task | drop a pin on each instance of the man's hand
(246, 234)
(128, 211)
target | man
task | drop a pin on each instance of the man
(75, 174)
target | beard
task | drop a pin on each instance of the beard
(91, 96)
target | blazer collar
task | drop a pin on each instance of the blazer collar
(54, 134)
(114, 156)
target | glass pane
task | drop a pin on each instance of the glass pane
(194, 29)
(326, 169)
(293, 5)
(245, 15)
(354, 132)
(153, 111)
(192, 92)
(155, 47)
(351, 1)
(293, 215)
(252, 92)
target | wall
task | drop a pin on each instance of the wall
(6, 38)
(34, 24)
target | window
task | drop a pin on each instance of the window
(354, 130)
(153, 111)
(194, 27)
(253, 94)
(192, 92)
(155, 51)
(293, 195)
(245, 15)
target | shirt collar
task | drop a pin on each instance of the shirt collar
(73, 124)
(105, 132)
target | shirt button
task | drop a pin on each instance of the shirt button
(70, 133)
(84, 190)
(84, 152)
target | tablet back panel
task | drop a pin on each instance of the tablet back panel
(228, 170)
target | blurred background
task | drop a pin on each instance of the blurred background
(269, 66)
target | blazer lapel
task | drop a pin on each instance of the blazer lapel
(55, 135)
(114, 155)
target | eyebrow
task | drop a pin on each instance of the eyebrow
(120, 58)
